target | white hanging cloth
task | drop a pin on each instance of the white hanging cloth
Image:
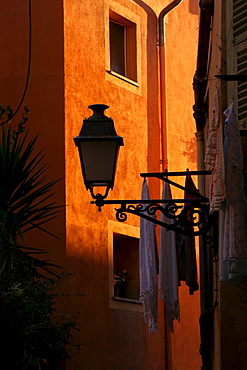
(214, 158)
(148, 273)
(229, 271)
(168, 269)
(234, 245)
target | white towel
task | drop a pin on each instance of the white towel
(148, 277)
(168, 269)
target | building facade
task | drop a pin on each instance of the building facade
(220, 116)
(137, 57)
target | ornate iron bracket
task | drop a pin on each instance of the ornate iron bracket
(184, 216)
(183, 219)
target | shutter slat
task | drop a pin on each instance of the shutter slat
(242, 86)
(239, 18)
(239, 29)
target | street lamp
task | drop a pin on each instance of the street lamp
(98, 145)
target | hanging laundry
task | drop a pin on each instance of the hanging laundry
(214, 158)
(168, 269)
(187, 269)
(148, 272)
(229, 270)
(234, 244)
(186, 251)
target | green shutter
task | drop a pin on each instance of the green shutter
(239, 25)
(239, 20)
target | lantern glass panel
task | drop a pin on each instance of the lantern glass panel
(99, 162)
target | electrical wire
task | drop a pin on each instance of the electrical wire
(28, 66)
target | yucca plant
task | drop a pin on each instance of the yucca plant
(25, 197)
(33, 335)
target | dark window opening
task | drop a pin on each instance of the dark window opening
(123, 57)
(117, 50)
(126, 266)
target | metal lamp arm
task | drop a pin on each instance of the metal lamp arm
(183, 217)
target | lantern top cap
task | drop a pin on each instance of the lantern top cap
(98, 111)
(98, 127)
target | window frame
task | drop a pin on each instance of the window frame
(130, 45)
(126, 257)
(115, 302)
(138, 17)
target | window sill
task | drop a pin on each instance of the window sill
(135, 301)
(126, 79)
(125, 304)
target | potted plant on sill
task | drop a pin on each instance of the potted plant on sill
(121, 279)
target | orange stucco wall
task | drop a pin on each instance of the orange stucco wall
(181, 46)
(45, 93)
(136, 115)
(70, 52)
(114, 336)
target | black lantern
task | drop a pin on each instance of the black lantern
(98, 145)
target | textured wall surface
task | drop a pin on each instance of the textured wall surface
(44, 96)
(70, 57)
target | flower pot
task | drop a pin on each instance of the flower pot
(116, 291)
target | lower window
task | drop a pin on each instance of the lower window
(126, 266)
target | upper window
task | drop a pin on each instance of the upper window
(123, 46)
(117, 49)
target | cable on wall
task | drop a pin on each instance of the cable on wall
(28, 66)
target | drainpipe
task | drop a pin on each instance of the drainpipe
(163, 105)
(200, 80)
(200, 109)
(164, 141)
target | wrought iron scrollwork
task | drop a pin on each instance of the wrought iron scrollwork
(192, 219)
(188, 216)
